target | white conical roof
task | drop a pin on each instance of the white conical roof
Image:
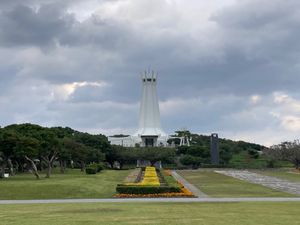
(149, 117)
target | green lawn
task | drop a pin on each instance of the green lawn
(288, 174)
(218, 185)
(73, 184)
(248, 213)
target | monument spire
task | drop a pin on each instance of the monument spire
(149, 132)
(149, 118)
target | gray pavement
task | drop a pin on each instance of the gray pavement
(122, 200)
(189, 186)
(267, 181)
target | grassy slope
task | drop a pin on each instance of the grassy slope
(250, 213)
(217, 185)
(73, 184)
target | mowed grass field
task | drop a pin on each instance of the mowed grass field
(249, 213)
(72, 184)
(218, 185)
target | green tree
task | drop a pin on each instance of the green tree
(225, 152)
(79, 152)
(8, 142)
(95, 155)
(157, 154)
(121, 155)
(64, 156)
(28, 148)
(198, 151)
(287, 150)
(98, 141)
(189, 160)
(50, 148)
(182, 150)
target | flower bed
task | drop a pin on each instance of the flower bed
(150, 178)
(183, 193)
(150, 186)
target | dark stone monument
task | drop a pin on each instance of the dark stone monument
(214, 149)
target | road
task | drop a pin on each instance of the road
(119, 200)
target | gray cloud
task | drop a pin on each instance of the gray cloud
(210, 65)
(23, 25)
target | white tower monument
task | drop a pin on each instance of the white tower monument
(150, 131)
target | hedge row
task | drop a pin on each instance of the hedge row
(123, 189)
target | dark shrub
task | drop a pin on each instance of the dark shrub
(97, 166)
(123, 189)
(100, 167)
(90, 170)
(189, 160)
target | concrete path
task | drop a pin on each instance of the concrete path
(267, 181)
(189, 186)
(128, 200)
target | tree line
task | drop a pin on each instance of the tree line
(287, 150)
(32, 147)
(29, 147)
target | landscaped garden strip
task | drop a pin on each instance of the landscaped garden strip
(168, 188)
(169, 179)
(150, 178)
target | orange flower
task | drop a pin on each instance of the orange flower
(168, 172)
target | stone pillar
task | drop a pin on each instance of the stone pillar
(214, 149)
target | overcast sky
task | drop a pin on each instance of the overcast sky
(226, 66)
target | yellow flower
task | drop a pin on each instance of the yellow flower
(150, 178)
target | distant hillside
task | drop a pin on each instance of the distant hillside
(232, 153)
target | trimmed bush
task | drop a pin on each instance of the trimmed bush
(97, 166)
(100, 167)
(123, 189)
(90, 170)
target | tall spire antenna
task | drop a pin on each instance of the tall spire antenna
(149, 69)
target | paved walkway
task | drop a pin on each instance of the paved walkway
(189, 186)
(267, 181)
(120, 200)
